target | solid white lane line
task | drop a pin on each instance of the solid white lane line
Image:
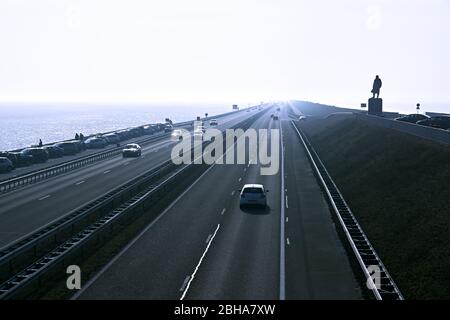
(223, 211)
(44, 197)
(107, 171)
(185, 282)
(80, 182)
(199, 263)
(282, 227)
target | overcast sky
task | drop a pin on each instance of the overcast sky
(224, 51)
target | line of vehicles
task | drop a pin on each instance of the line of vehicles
(198, 132)
(9, 160)
(440, 122)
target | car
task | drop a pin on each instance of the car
(6, 165)
(111, 138)
(253, 195)
(95, 143)
(149, 129)
(11, 156)
(136, 132)
(440, 122)
(132, 150)
(168, 128)
(275, 117)
(413, 118)
(22, 159)
(54, 151)
(69, 148)
(177, 135)
(39, 155)
(213, 122)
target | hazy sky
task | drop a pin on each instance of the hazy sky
(232, 51)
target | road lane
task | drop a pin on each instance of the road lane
(317, 266)
(244, 260)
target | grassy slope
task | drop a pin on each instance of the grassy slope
(399, 188)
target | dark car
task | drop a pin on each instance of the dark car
(168, 128)
(440, 122)
(69, 148)
(413, 118)
(123, 135)
(11, 156)
(22, 159)
(39, 155)
(111, 138)
(149, 129)
(6, 165)
(134, 132)
(160, 126)
(54, 151)
(96, 143)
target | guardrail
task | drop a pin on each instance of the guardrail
(383, 287)
(56, 245)
(429, 133)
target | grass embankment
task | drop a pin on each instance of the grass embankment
(398, 186)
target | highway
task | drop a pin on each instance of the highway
(29, 208)
(204, 246)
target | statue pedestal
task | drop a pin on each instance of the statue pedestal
(376, 106)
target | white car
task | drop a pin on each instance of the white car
(253, 195)
(213, 122)
(132, 150)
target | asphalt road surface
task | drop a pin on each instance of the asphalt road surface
(204, 246)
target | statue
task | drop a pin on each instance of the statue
(376, 87)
